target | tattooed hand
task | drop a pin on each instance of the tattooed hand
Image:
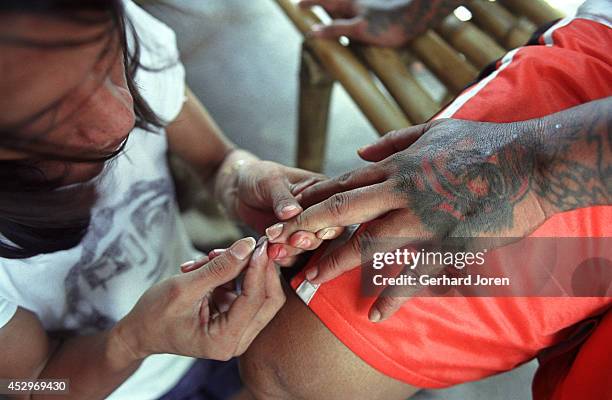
(380, 22)
(455, 178)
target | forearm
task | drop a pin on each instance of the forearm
(95, 365)
(197, 139)
(574, 157)
(414, 18)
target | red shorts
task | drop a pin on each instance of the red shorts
(439, 342)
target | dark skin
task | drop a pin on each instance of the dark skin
(461, 179)
(375, 23)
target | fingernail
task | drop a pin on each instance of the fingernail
(327, 234)
(289, 209)
(242, 248)
(260, 247)
(316, 28)
(375, 315)
(363, 148)
(282, 253)
(187, 264)
(216, 253)
(302, 243)
(312, 273)
(274, 231)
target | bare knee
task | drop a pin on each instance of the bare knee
(296, 357)
(260, 375)
(268, 366)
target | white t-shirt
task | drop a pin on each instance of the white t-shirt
(135, 238)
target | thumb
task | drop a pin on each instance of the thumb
(225, 267)
(284, 203)
(391, 143)
(339, 27)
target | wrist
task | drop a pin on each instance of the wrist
(536, 138)
(227, 179)
(123, 347)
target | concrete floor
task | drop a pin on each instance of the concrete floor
(242, 61)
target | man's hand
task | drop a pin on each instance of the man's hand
(461, 179)
(379, 22)
(447, 178)
(195, 315)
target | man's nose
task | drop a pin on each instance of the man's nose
(109, 115)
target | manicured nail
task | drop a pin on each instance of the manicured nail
(312, 273)
(243, 248)
(289, 209)
(260, 247)
(375, 315)
(281, 253)
(327, 234)
(215, 253)
(364, 148)
(187, 264)
(304, 244)
(274, 231)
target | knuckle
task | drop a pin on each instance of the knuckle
(338, 204)
(220, 266)
(333, 263)
(302, 220)
(345, 179)
(356, 245)
(406, 181)
(388, 304)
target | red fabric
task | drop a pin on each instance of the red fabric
(438, 342)
(584, 374)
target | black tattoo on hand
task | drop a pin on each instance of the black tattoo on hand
(464, 179)
(413, 19)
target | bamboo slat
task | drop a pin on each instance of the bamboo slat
(399, 81)
(444, 61)
(538, 11)
(477, 46)
(316, 86)
(382, 112)
(500, 23)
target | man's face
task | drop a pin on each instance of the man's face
(74, 98)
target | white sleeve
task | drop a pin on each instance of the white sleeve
(163, 88)
(7, 310)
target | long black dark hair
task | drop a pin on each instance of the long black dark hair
(37, 215)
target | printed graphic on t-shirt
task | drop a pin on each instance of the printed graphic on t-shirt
(136, 244)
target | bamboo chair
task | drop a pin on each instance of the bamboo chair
(453, 52)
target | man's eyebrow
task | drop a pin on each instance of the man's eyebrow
(14, 40)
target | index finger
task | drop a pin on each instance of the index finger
(361, 177)
(342, 209)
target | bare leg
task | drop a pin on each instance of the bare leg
(296, 357)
